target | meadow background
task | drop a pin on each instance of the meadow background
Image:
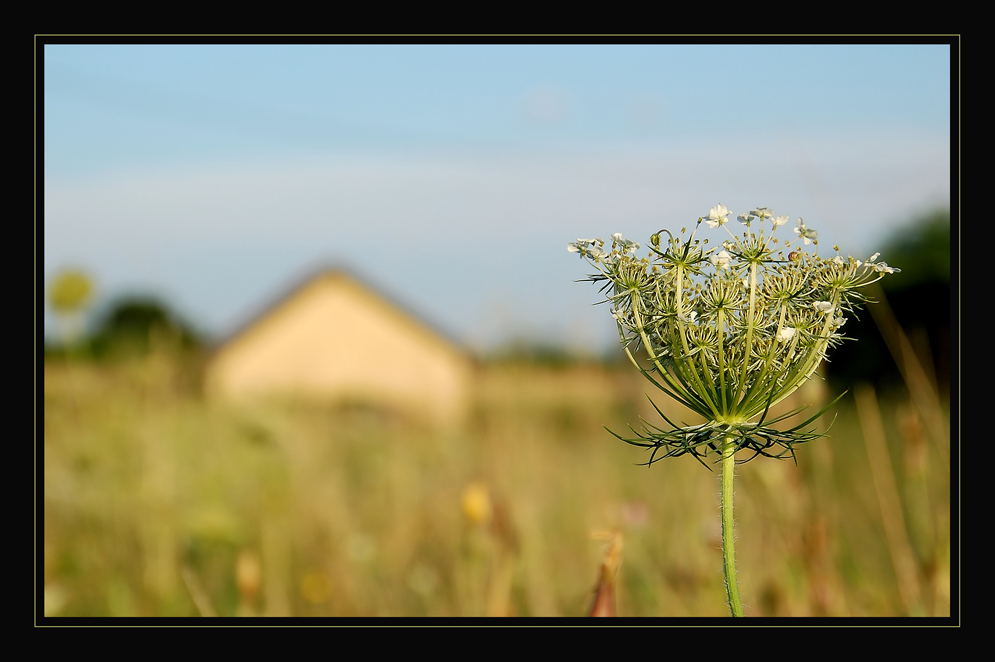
(189, 183)
(158, 502)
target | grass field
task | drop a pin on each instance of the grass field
(157, 503)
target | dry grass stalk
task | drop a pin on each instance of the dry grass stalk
(921, 386)
(197, 592)
(889, 500)
(604, 594)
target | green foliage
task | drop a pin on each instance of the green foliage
(537, 353)
(137, 325)
(922, 250)
(70, 291)
(921, 303)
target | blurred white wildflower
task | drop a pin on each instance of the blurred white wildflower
(805, 233)
(823, 306)
(717, 216)
(721, 259)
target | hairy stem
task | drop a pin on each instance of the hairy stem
(728, 537)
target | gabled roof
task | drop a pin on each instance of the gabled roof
(348, 275)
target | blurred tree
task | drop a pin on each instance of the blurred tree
(135, 325)
(69, 295)
(919, 297)
(921, 251)
(523, 350)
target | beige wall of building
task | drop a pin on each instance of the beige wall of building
(334, 339)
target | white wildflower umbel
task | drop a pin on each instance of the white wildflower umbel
(729, 332)
(804, 233)
(823, 306)
(771, 319)
(589, 248)
(717, 216)
(720, 259)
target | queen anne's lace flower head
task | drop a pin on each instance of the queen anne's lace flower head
(729, 330)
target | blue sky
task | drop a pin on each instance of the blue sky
(453, 176)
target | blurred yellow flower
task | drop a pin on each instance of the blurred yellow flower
(477, 507)
(316, 587)
(248, 575)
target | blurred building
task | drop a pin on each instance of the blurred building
(334, 339)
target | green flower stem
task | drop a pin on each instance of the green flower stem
(728, 538)
(749, 325)
(664, 373)
(705, 393)
(680, 310)
(815, 355)
(720, 326)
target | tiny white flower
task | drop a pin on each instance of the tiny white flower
(785, 334)
(762, 212)
(838, 322)
(838, 260)
(717, 216)
(617, 237)
(804, 233)
(780, 220)
(874, 257)
(745, 217)
(884, 268)
(721, 260)
(823, 306)
(586, 248)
